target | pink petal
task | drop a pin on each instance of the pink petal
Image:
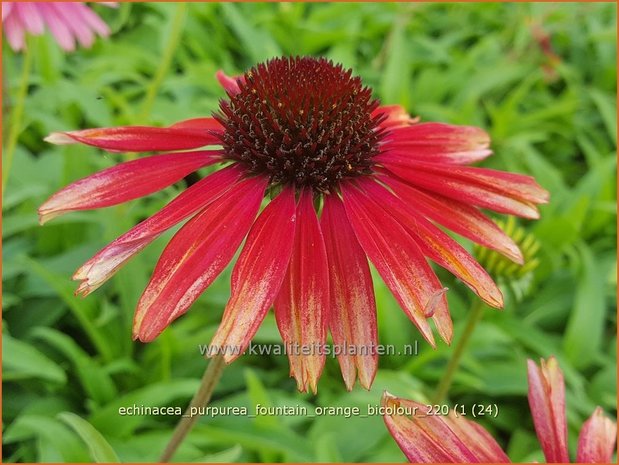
(104, 264)
(31, 17)
(445, 180)
(184, 135)
(257, 275)
(547, 402)
(15, 32)
(124, 182)
(301, 307)
(596, 442)
(399, 261)
(395, 116)
(436, 142)
(195, 256)
(436, 439)
(7, 7)
(80, 30)
(91, 19)
(437, 245)
(353, 309)
(58, 26)
(461, 218)
(228, 83)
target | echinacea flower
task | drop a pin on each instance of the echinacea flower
(596, 442)
(308, 134)
(453, 438)
(69, 22)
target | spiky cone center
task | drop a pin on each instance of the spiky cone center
(301, 121)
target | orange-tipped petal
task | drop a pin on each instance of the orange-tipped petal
(183, 135)
(596, 442)
(502, 192)
(353, 308)
(104, 264)
(437, 245)
(436, 142)
(195, 256)
(257, 276)
(461, 218)
(301, 307)
(547, 402)
(124, 182)
(394, 116)
(437, 439)
(399, 261)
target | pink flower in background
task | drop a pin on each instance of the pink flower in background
(68, 22)
(452, 438)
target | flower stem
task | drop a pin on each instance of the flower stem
(201, 398)
(166, 60)
(475, 313)
(16, 119)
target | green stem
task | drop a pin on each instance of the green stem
(166, 60)
(475, 313)
(16, 119)
(211, 377)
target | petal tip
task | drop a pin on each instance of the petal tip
(59, 138)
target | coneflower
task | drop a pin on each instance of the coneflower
(349, 179)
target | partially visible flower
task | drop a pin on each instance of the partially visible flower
(351, 180)
(438, 439)
(596, 442)
(451, 439)
(69, 22)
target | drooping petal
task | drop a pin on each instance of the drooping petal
(183, 135)
(104, 264)
(228, 83)
(91, 19)
(596, 442)
(436, 142)
(502, 192)
(479, 441)
(301, 307)
(7, 7)
(437, 439)
(79, 29)
(395, 116)
(30, 17)
(257, 275)
(57, 26)
(125, 181)
(437, 245)
(400, 262)
(352, 320)
(461, 218)
(15, 32)
(195, 256)
(547, 402)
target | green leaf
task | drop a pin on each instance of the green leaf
(583, 335)
(20, 360)
(99, 448)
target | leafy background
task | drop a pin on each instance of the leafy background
(540, 77)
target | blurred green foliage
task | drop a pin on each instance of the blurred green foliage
(540, 77)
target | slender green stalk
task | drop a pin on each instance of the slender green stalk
(201, 398)
(16, 118)
(166, 60)
(475, 313)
